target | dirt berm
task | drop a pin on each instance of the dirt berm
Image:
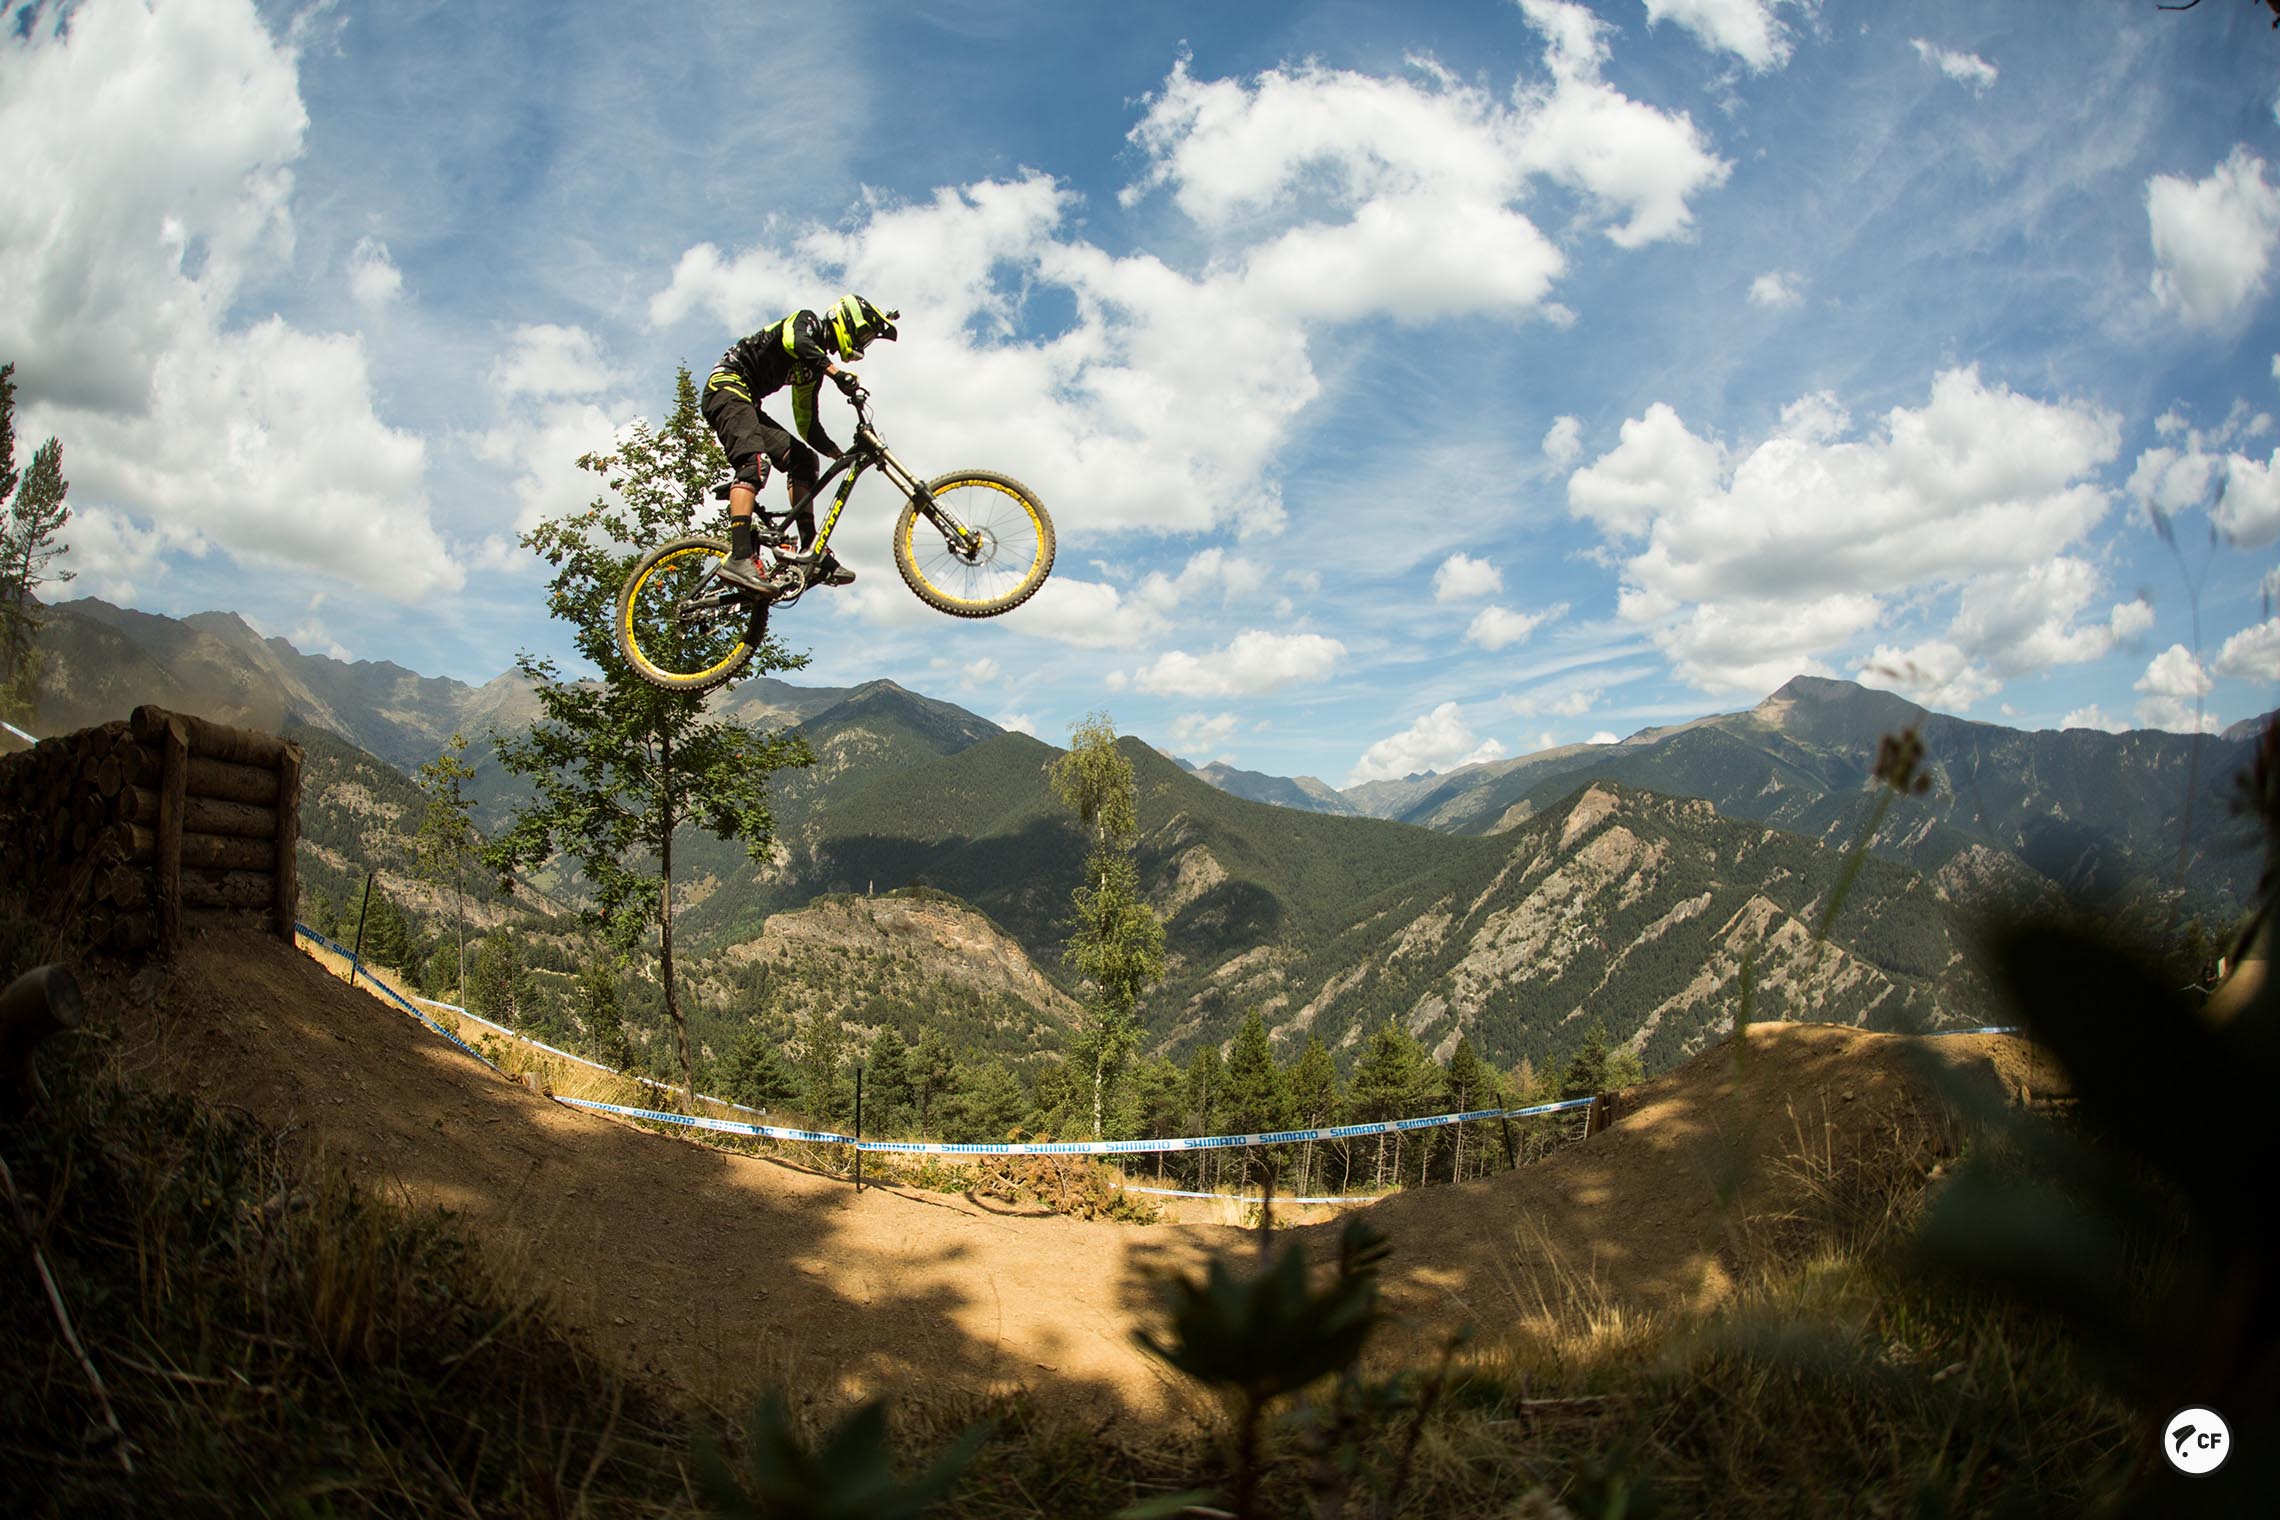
(715, 1272)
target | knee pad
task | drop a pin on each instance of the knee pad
(753, 472)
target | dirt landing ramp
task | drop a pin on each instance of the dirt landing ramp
(716, 1273)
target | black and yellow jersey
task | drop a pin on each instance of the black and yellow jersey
(791, 351)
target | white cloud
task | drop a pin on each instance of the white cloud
(1254, 662)
(1964, 68)
(2178, 476)
(1017, 723)
(2174, 682)
(1438, 741)
(1628, 157)
(1750, 572)
(1779, 289)
(2249, 511)
(2025, 620)
(969, 676)
(2213, 239)
(1206, 734)
(542, 444)
(1745, 28)
(547, 360)
(125, 238)
(1563, 441)
(1604, 736)
(1318, 196)
(1934, 673)
(374, 282)
(1210, 573)
(1461, 578)
(2253, 654)
(1496, 627)
(2093, 716)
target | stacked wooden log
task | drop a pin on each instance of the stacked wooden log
(115, 830)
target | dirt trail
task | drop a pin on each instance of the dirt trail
(714, 1273)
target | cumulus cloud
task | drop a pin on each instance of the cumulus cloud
(1496, 627)
(547, 360)
(1205, 733)
(2026, 620)
(1316, 196)
(2173, 683)
(2179, 476)
(1627, 157)
(1017, 723)
(1778, 289)
(1462, 578)
(1439, 741)
(1935, 673)
(1211, 574)
(374, 281)
(2253, 654)
(1745, 28)
(1563, 441)
(1748, 573)
(2213, 239)
(542, 445)
(1967, 69)
(260, 440)
(1254, 662)
(2093, 716)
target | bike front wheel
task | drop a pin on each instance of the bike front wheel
(679, 626)
(986, 550)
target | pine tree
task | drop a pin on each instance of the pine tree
(602, 1010)
(888, 1090)
(499, 984)
(1255, 1096)
(1471, 1084)
(1313, 1098)
(1207, 1099)
(388, 939)
(618, 765)
(986, 1104)
(1388, 1078)
(755, 1073)
(933, 1067)
(1586, 1074)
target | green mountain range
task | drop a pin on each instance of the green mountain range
(1517, 902)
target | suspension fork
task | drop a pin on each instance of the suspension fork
(962, 538)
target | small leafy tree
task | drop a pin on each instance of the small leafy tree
(621, 767)
(447, 844)
(1313, 1097)
(1117, 943)
(34, 514)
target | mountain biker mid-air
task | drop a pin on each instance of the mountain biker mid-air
(800, 349)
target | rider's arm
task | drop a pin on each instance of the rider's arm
(805, 419)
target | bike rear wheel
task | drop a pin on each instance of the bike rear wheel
(996, 570)
(681, 628)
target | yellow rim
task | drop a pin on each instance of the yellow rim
(1036, 542)
(633, 641)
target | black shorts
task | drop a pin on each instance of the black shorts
(746, 433)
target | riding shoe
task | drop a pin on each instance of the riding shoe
(746, 572)
(830, 572)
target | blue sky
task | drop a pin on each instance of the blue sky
(1410, 385)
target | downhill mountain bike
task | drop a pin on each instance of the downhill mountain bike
(973, 543)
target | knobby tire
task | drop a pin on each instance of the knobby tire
(693, 655)
(1017, 552)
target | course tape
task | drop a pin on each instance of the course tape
(1071, 1147)
(1932, 1034)
(19, 733)
(581, 1060)
(1228, 1198)
(391, 994)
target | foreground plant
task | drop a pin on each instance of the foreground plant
(848, 1475)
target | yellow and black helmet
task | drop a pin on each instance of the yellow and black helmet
(856, 324)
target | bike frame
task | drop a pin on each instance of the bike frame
(868, 452)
